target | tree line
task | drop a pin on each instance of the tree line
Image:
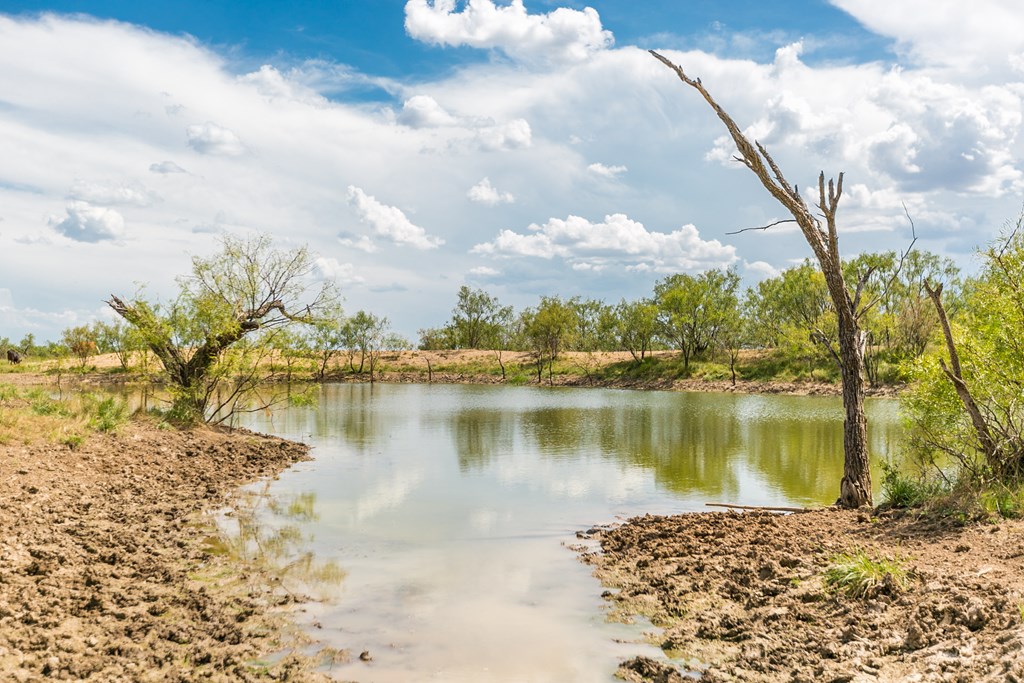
(787, 321)
(705, 316)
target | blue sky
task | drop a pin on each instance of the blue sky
(371, 36)
(530, 148)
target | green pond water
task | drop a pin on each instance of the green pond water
(449, 509)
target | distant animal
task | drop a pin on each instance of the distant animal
(13, 356)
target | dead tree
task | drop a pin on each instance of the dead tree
(954, 373)
(855, 487)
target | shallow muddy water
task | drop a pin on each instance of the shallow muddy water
(449, 508)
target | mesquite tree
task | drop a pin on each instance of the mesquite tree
(855, 487)
(248, 288)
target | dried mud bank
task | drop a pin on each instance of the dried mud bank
(741, 597)
(103, 572)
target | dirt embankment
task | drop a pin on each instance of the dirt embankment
(103, 573)
(468, 366)
(741, 597)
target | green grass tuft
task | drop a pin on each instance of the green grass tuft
(902, 490)
(857, 575)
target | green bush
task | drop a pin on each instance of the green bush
(905, 491)
(106, 415)
(42, 403)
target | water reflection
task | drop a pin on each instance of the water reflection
(693, 444)
(448, 507)
(271, 535)
(481, 435)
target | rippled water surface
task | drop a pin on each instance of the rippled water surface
(449, 507)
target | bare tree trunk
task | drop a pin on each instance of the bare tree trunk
(956, 377)
(855, 487)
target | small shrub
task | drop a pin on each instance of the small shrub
(859, 576)
(107, 415)
(1003, 501)
(905, 491)
(42, 404)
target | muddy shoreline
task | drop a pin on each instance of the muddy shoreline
(105, 569)
(741, 597)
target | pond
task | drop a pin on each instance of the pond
(449, 509)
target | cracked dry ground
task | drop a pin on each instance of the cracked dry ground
(740, 597)
(103, 576)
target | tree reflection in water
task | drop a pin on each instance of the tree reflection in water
(267, 535)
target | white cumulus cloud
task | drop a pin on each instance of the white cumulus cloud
(209, 138)
(390, 221)
(423, 111)
(485, 193)
(978, 36)
(360, 242)
(610, 172)
(564, 35)
(342, 273)
(761, 269)
(617, 240)
(484, 271)
(87, 223)
(512, 135)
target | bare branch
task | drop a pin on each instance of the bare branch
(892, 280)
(820, 337)
(763, 227)
(862, 281)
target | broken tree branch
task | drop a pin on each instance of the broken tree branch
(763, 227)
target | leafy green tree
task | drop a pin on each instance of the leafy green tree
(505, 335)
(290, 349)
(796, 298)
(548, 330)
(793, 314)
(436, 338)
(592, 323)
(693, 309)
(245, 291)
(370, 335)
(119, 339)
(80, 342)
(475, 319)
(27, 345)
(636, 324)
(733, 337)
(324, 339)
(904, 318)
